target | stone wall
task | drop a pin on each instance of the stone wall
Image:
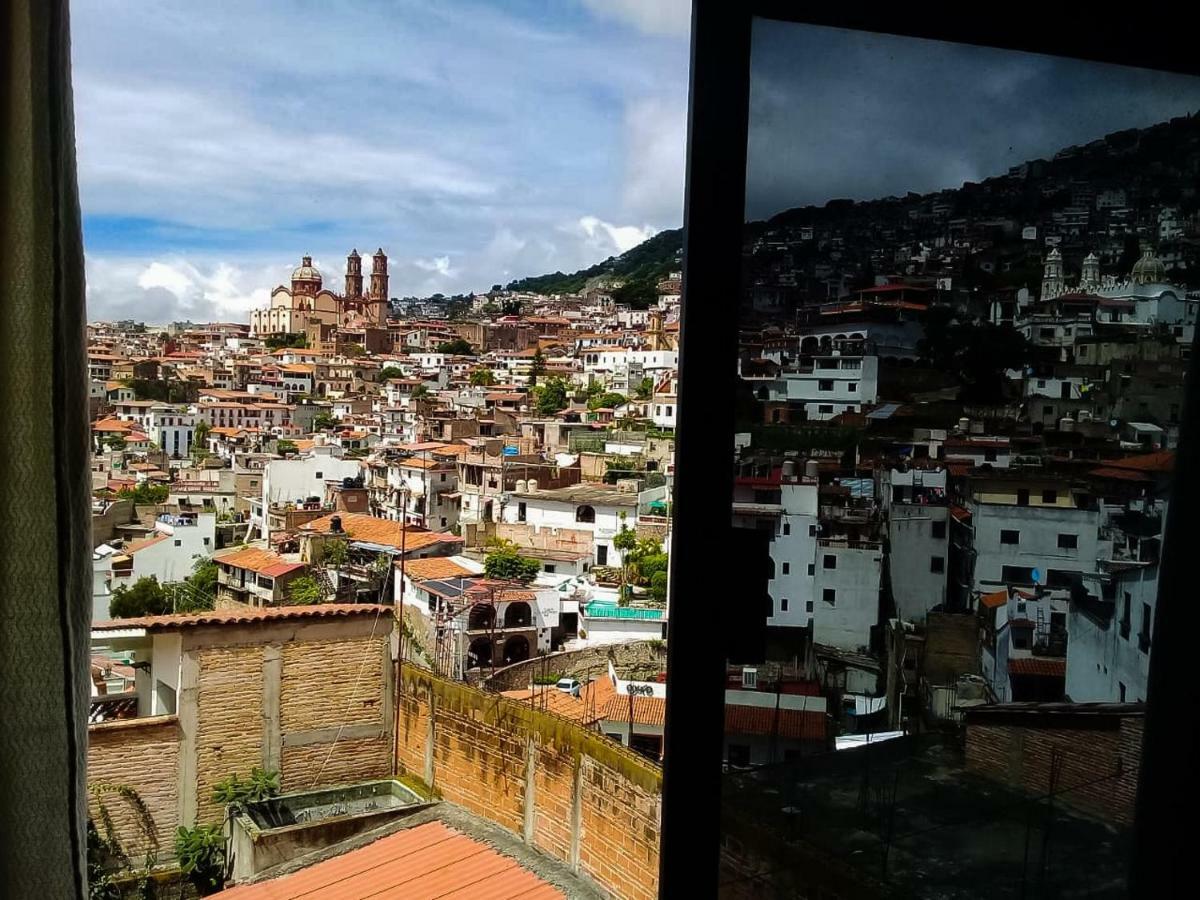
(568, 791)
(636, 659)
(142, 755)
(1100, 757)
(951, 646)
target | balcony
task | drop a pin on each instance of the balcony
(109, 707)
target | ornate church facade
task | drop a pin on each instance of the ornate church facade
(307, 301)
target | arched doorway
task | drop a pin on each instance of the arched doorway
(517, 615)
(585, 514)
(516, 649)
(479, 653)
(809, 345)
(482, 615)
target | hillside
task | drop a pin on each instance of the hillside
(638, 270)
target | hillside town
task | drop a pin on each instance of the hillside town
(954, 453)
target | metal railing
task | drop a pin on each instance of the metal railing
(108, 707)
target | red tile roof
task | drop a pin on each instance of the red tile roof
(1038, 665)
(245, 616)
(1159, 461)
(792, 723)
(615, 707)
(1116, 474)
(430, 860)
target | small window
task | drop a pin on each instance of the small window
(178, 543)
(939, 530)
(829, 595)
(852, 385)
(253, 482)
(1047, 410)
(1068, 541)
(320, 474)
(551, 568)
(787, 528)
(825, 384)
(1050, 497)
(1021, 639)
(937, 564)
(825, 409)
(783, 605)
(787, 568)
(830, 561)
(812, 530)
(1023, 497)
(812, 568)
(1041, 382)
(989, 455)
(1010, 537)
(808, 607)
(206, 540)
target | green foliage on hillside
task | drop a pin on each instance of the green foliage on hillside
(297, 340)
(640, 269)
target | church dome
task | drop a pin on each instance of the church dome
(306, 271)
(1148, 270)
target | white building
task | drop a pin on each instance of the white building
(295, 480)
(917, 515)
(825, 387)
(171, 428)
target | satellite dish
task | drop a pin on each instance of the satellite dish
(1112, 423)
(1037, 577)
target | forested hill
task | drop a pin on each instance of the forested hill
(639, 270)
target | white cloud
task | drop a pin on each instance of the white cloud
(667, 17)
(616, 237)
(655, 158)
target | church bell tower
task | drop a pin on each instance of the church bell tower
(354, 276)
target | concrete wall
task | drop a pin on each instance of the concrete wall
(1092, 750)
(1039, 528)
(639, 660)
(1100, 659)
(569, 792)
(916, 587)
(855, 580)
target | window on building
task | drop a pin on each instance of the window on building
(178, 543)
(852, 385)
(783, 604)
(1127, 615)
(825, 384)
(602, 555)
(1068, 541)
(937, 564)
(939, 530)
(320, 475)
(825, 409)
(1049, 497)
(787, 528)
(808, 606)
(1008, 536)
(829, 562)
(1144, 635)
(1022, 497)
(829, 595)
(812, 568)
(989, 455)
(551, 568)
(1047, 410)
(812, 530)
(787, 568)
(521, 511)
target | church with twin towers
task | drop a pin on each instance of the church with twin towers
(307, 301)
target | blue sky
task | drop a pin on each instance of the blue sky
(475, 142)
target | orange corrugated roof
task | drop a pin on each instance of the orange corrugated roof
(245, 615)
(994, 599)
(361, 527)
(434, 568)
(791, 723)
(430, 860)
(252, 558)
(135, 546)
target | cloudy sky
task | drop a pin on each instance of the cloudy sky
(845, 114)
(476, 142)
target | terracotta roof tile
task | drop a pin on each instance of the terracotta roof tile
(792, 723)
(1046, 667)
(246, 616)
(135, 546)
(435, 567)
(360, 527)
(1159, 461)
(254, 559)
(430, 860)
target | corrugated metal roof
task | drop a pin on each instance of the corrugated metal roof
(427, 861)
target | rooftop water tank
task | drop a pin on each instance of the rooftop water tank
(532, 485)
(812, 469)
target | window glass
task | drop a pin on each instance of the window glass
(985, 501)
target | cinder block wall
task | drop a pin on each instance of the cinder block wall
(570, 792)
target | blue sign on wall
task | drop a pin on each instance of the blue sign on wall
(511, 451)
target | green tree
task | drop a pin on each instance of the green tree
(457, 347)
(146, 494)
(389, 372)
(113, 441)
(200, 435)
(551, 396)
(607, 400)
(262, 784)
(304, 591)
(505, 563)
(537, 366)
(297, 340)
(645, 389)
(483, 378)
(353, 351)
(420, 392)
(204, 575)
(283, 448)
(201, 854)
(324, 421)
(145, 598)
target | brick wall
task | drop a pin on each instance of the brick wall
(1092, 752)
(570, 792)
(229, 734)
(142, 754)
(951, 646)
